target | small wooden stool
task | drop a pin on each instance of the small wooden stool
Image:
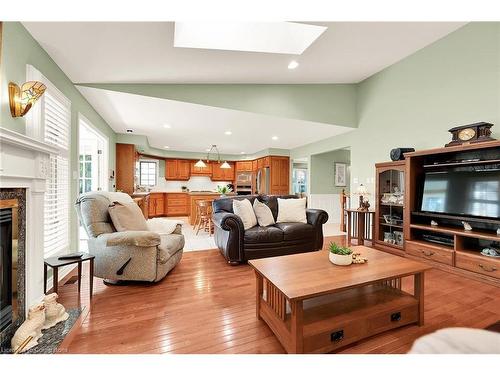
(55, 263)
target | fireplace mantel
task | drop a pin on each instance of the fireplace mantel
(24, 163)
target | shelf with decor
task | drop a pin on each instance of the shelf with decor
(389, 207)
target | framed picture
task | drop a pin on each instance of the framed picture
(340, 174)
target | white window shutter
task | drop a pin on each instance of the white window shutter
(56, 120)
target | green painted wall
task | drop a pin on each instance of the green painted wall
(322, 171)
(331, 104)
(413, 103)
(19, 49)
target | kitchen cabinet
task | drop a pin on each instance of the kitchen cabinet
(156, 204)
(254, 165)
(280, 175)
(222, 174)
(244, 166)
(171, 172)
(199, 171)
(177, 204)
(126, 157)
(184, 169)
(177, 169)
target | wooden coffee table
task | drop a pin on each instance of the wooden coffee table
(314, 306)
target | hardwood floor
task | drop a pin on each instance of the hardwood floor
(206, 306)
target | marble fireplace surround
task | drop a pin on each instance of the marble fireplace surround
(24, 164)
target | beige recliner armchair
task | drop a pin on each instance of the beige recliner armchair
(129, 255)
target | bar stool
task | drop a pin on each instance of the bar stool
(204, 216)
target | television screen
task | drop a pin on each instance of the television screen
(475, 193)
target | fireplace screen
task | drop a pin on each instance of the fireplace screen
(9, 240)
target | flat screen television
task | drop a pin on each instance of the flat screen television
(474, 193)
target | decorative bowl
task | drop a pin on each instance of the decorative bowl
(340, 260)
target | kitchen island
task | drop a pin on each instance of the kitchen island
(195, 196)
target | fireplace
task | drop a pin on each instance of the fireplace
(12, 273)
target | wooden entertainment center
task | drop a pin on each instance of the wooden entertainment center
(461, 252)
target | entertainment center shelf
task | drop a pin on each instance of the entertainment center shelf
(447, 245)
(484, 235)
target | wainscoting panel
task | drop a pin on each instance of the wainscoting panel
(328, 202)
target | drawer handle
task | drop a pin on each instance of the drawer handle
(337, 336)
(492, 269)
(396, 317)
(427, 253)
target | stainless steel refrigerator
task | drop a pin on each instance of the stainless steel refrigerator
(262, 181)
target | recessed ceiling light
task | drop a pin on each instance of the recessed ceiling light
(207, 150)
(166, 126)
(271, 37)
(130, 131)
(274, 138)
(166, 146)
(228, 132)
(293, 64)
(242, 152)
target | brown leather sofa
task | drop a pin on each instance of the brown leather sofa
(239, 245)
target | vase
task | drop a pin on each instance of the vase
(340, 260)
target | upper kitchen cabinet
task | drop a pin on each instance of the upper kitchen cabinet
(200, 171)
(244, 166)
(280, 175)
(222, 174)
(177, 169)
(126, 157)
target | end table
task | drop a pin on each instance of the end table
(55, 263)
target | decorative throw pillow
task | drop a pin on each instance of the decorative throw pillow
(292, 210)
(127, 217)
(263, 213)
(244, 210)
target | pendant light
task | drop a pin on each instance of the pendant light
(214, 148)
(200, 164)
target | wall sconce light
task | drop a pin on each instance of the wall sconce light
(21, 99)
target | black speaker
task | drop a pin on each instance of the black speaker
(397, 153)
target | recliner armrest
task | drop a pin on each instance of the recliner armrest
(228, 221)
(316, 216)
(138, 238)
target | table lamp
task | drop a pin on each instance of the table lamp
(362, 191)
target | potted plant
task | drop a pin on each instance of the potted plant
(223, 190)
(340, 255)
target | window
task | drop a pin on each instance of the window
(85, 173)
(52, 121)
(148, 173)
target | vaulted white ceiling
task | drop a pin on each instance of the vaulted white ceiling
(194, 127)
(144, 52)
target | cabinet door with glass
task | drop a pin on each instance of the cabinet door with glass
(389, 210)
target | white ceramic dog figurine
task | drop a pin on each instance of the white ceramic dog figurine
(31, 327)
(54, 311)
(466, 225)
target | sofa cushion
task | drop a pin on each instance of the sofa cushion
(245, 211)
(127, 217)
(263, 213)
(296, 231)
(292, 210)
(263, 235)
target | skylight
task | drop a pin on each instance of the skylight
(270, 37)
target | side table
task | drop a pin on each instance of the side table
(359, 225)
(55, 263)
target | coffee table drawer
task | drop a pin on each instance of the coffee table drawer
(392, 319)
(478, 263)
(334, 338)
(430, 252)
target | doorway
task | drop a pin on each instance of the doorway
(300, 176)
(93, 157)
